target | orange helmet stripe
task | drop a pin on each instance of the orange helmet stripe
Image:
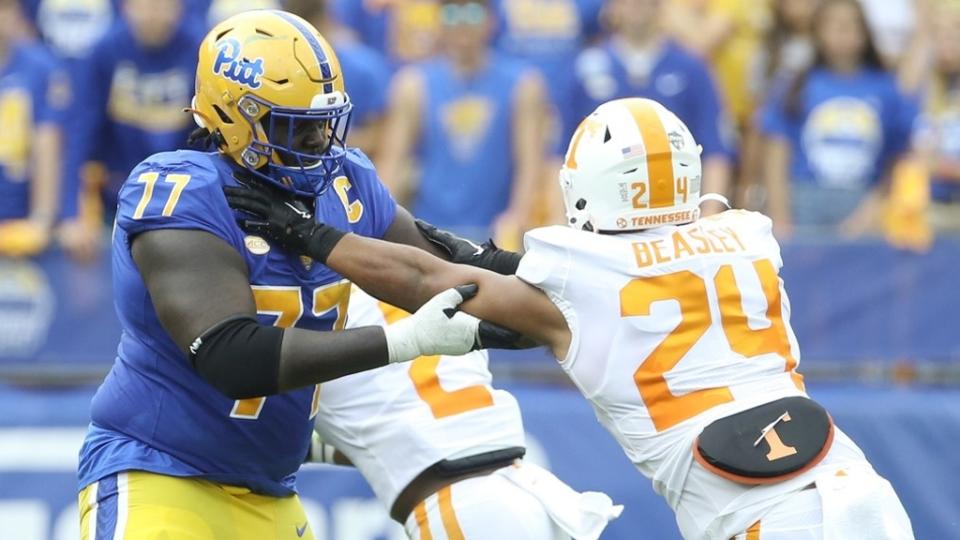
(659, 153)
(572, 152)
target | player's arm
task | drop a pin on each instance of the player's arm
(401, 275)
(404, 230)
(406, 277)
(200, 289)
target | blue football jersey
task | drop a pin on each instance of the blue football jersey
(154, 412)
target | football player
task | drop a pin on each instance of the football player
(201, 424)
(440, 447)
(676, 328)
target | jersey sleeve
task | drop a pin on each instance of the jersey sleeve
(756, 231)
(378, 206)
(546, 264)
(174, 193)
(546, 261)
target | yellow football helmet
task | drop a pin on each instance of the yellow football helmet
(264, 78)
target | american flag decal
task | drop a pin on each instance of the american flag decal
(632, 151)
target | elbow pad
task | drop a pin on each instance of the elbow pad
(239, 357)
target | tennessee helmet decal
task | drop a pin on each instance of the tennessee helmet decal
(270, 88)
(631, 165)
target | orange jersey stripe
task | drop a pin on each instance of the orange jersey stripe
(659, 153)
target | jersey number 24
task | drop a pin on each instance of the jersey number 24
(690, 291)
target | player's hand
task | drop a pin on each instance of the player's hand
(438, 327)
(463, 251)
(284, 220)
(459, 250)
(494, 336)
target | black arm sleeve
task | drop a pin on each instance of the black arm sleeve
(244, 359)
(239, 357)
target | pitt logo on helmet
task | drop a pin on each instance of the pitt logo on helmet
(240, 70)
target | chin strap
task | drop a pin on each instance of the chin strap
(715, 197)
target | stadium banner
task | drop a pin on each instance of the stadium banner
(908, 434)
(851, 302)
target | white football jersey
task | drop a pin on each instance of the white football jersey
(672, 328)
(395, 421)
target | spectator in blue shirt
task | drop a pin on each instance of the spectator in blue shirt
(219, 10)
(33, 95)
(71, 29)
(365, 72)
(134, 87)
(403, 32)
(549, 34)
(937, 134)
(834, 130)
(639, 60)
(474, 120)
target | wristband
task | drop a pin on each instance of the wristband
(322, 242)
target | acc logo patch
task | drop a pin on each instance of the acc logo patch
(256, 245)
(229, 64)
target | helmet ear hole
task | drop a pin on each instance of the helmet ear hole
(223, 116)
(607, 136)
(581, 204)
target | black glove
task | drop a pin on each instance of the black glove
(494, 336)
(284, 220)
(462, 251)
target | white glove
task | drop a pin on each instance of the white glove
(436, 328)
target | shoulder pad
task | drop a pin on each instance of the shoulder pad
(357, 159)
(546, 256)
(742, 218)
(176, 190)
(369, 205)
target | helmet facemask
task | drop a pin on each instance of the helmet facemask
(300, 149)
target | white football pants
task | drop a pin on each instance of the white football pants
(520, 502)
(844, 506)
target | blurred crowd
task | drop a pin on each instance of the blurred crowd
(835, 117)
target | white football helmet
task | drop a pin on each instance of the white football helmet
(631, 165)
